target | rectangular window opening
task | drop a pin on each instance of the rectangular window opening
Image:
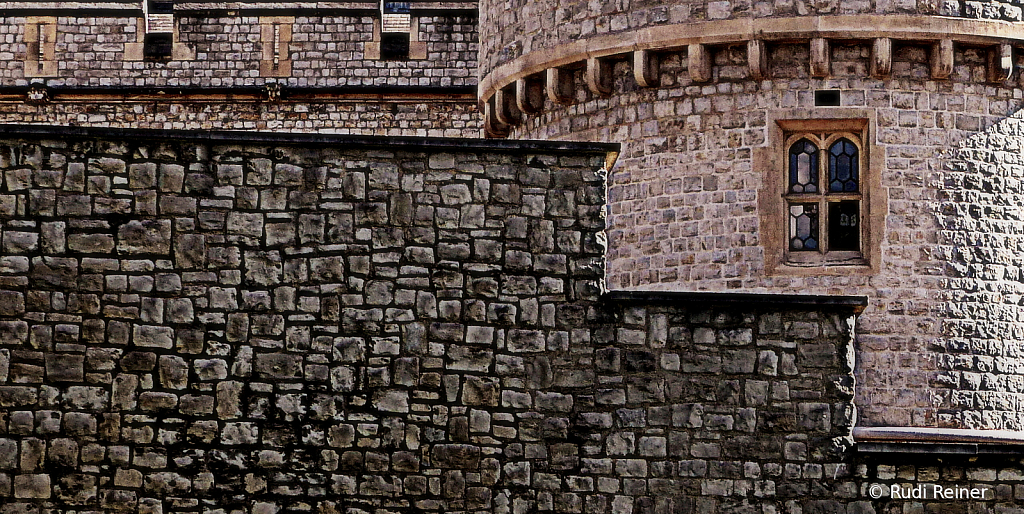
(844, 226)
(827, 98)
(161, 7)
(394, 46)
(158, 46)
(396, 8)
(823, 195)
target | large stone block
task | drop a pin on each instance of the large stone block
(59, 272)
(65, 368)
(263, 268)
(141, 237)
(12, 303)
(480, 391)
(32, 486)
(392, 400)
(458, 456)
(151, 336)
(279, 365)
(18, 396)
(20, 242)
(91, 243)
(173, 372)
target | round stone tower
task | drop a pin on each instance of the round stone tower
(814, 147)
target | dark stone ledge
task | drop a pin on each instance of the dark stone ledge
(940, 449)
(854, 304)
(297, 138)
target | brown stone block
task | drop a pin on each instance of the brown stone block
(65, 368)
(32, 486)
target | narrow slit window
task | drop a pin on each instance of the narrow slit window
(277, 45)
(41, 30)
(41, 54)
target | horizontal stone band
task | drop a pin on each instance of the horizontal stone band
(936, 435)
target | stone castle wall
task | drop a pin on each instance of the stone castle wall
(217, 79)
(225, 51)
(686, 208)
(395, 116)
(269, 323)
(526, 26)
(274, 324)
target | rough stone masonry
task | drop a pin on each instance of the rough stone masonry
(231, 323)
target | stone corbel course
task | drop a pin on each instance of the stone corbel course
(551, 67)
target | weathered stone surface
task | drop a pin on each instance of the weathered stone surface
(32, 486)
(391, 401)
(279, 365)
(364, 328)
(460, 456)
(153, 336)
(91, 243)
(12, 303)
(65, 368)
(173, 372)
(239, 433)
(144, 237)
(17, 396)
(480, 391)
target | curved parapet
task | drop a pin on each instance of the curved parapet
(859, 151)
(521, 27)
(505, 82)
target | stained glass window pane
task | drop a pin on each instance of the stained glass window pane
(844, 226)
(843, 168)
(803, 227)
(803, 167)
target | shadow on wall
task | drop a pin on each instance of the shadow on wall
(979, 211)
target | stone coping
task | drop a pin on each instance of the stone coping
(936, 435)
(925, 28)
(407, 143)
(855, 304)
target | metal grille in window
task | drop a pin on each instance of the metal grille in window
(161, 7)
(158, 46)
(842, 167)
(394, 46)
(803, 226)
(396, 8)
(803, 167)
